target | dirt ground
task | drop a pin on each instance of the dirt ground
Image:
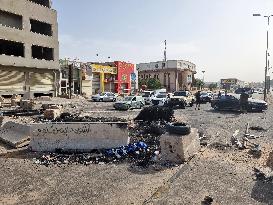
(220, 171)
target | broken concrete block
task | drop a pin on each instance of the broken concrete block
(27, 104)
(2, 99)
(179, 149)
(52, 114)
(15, 102)
(15, 134)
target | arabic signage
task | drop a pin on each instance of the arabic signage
(228, 81)
(103, 69)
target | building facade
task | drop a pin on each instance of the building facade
(29, 48)
(125, 77)
(173, 74)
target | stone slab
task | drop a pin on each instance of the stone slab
(15, 134)
(179, 149)
(78, 136)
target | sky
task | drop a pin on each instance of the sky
(220, 36)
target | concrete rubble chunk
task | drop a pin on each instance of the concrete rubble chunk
(52, 114)
(15, 134)
(179, 149)
(27, 104)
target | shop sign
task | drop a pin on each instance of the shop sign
(228, 81)
(103, 69)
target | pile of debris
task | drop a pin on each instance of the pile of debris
(144, 134)
(138, 153)
(246, 142)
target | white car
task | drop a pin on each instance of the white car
(160, 99)
(147, 96)
(104, 97)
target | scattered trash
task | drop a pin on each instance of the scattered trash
(138, 153)
(207, 200)
(235, 140)
(257, 128)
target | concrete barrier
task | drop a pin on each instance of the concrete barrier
(179, 149)
(78, 136)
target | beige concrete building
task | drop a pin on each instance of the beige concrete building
(173, 74)
(29, 47)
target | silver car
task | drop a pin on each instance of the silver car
(104, 97)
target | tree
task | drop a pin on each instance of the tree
(213, 86)
(153, 84)
(198, 83)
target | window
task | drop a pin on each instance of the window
(40, 52)
(45, 3)
(40, 27)
(12, 48)
(11, 20)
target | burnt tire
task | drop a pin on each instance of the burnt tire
(179, 128)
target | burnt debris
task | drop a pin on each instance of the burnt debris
(156, 113)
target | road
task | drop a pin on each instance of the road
(222, 172)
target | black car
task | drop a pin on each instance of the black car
(249, 91)
(232, 102)
(205, 97)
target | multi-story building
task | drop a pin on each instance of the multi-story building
(173, 74)
(115, 77)
(29, 48)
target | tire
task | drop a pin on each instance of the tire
(100, 100)
(179, 128)
(114, 99)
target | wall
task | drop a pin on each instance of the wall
(29, 10)
(78, 136)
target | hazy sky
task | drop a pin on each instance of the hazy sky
(219, 36)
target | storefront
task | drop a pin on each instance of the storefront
(103, 78)
(123, 80)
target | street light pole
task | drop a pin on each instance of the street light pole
(266, 55)
(203, 75)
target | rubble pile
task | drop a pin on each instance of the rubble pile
(144, 134)
(138, 153)
(156, 113)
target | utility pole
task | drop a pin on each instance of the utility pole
(266, 55)
(165, 52)
(70, 79)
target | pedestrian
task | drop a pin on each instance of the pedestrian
(198, 99)
(219, 94)
(244, 102)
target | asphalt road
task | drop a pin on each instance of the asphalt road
(222, 172)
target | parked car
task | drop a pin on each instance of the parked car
(147, 96)
(205, 97)
(130, 102)
(160, 99)
(181, 99)
(246, 90)
(232, 102)
(104, 97)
